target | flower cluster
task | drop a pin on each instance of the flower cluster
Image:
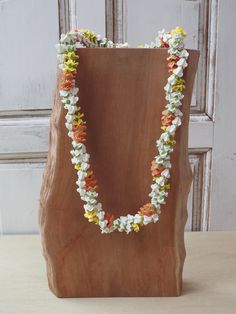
(171, 119)
(171, 116)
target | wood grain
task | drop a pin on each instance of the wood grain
(121, 93)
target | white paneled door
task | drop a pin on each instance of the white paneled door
(29, 30)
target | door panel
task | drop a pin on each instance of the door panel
(19, 193)
(27, 55)
(29, 30)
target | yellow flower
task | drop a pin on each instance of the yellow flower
(171, 142)
(180, 81)
(140, 46)
(178, 30)
(164, 128)
(89, 35)
(164, 187)
(79, 115)
(135, 227)
(178, 88)
(78, 122)
(70, 70)
(71, 55)
(91, 215)
(89, 173)
(179, 85)
(77, 118)
(71, 63)
(77, 166)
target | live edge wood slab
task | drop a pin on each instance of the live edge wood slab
(121, 94)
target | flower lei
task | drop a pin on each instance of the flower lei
(76, 125)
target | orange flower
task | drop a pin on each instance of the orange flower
(172, 58)
(90, 183)
(67, 85)
(164, 44)
(67, 81)
(172, 65)
(167, 119)
(79, 132)
(109, 218)
(68, 76)
(81, 127)
(147, 210)
(156, 171)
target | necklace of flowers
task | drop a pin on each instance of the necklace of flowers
(76, 125)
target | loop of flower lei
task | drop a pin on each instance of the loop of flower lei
(76, 125)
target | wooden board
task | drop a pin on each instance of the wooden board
(121, 93)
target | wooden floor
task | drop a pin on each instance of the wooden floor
(209, 281)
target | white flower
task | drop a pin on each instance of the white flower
(69, 118)
(100, 215)
(168, 88)
(81, 184)
(63, 93)
(167, 164)
(78, 145)
(88, 207)
(90, 201)
(84, 166)
(147, 220)
(183, 54)
(171, 129)
(159, 160)
(80, 151)
(137, 219)
(172, 79)
(178, 71)
(81, 192)
(155, 218)
(178, 113)
(110, 44)
(75, 160)
(72, 100)
(70, 134)
(91, 194)
(123, 220)
(68, 126)
(154, 187)
(82, 158)
(182, 63)
(165, 136)
(102, 223)
(81, 174)
(161, 199)
(99, 37)
(177, 121)
(120, 45)
(163, 154)
(98, 207)
(160, 181)
(72, 109)
(166, 173)
(74, 91)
